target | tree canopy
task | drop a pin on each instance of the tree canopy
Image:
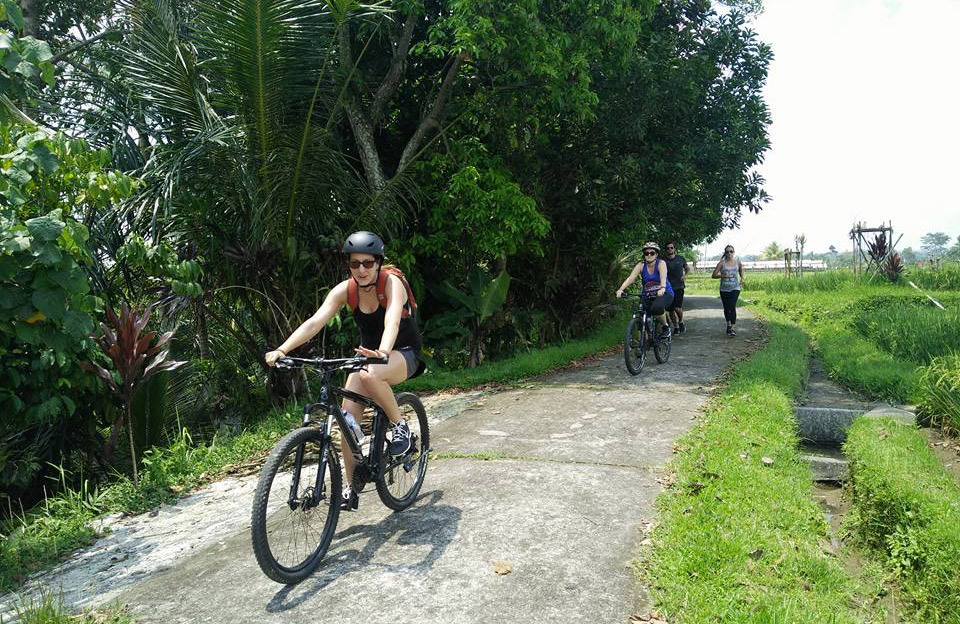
(512, 154)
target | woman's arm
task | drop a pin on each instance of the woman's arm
(630, 279)
(662, 266)
(335, 299)
(717, 270)
(740, 270)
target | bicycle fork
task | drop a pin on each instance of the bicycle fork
(318, 492)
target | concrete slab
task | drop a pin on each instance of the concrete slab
(828, 468)
(824, 425)
(902, 416)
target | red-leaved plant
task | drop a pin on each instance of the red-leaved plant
(136, 358)
(893, 267)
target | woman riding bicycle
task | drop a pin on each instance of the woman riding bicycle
(385, 332)
(657, 291)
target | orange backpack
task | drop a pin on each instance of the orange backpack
(409, 308)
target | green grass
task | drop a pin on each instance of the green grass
(939, 391)
(823, 281)
(740, 539)
(47, 609)
(524, 365)
(909, 328)
(947, 277)
(36, 539)
(907, 511)
(846, 352)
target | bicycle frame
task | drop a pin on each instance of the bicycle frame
(329, 395)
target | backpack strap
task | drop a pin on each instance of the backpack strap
(353, 294)
(382, 289)
(384, 299)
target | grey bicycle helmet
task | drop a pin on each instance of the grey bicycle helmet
(363, 242)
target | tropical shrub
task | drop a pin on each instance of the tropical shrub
(49, 183)
(46, 314)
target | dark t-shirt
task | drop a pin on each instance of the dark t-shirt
(675, 270)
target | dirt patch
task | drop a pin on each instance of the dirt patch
(947, 450)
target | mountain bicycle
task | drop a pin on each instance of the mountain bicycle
(641, 335)
(298, 496)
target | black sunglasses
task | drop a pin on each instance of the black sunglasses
(649, 253)
(367, 264)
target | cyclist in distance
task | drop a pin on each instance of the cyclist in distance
(385, 332)
(657, 292)
(677, 270)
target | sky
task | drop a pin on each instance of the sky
(865, 101)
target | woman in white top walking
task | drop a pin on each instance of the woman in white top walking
(730, 273)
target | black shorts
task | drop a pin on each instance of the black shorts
(677, 299)
(657, 305)
(415, 365)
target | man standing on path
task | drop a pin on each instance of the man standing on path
(677, 269)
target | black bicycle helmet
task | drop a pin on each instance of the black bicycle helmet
(363, 242)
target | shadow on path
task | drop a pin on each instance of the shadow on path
(426, 523)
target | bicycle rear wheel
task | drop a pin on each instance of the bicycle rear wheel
(291, 527)
(661, 349)
(634, 349)
(400, 478)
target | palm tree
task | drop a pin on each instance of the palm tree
(242, 168)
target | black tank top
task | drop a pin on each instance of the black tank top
(371, 330)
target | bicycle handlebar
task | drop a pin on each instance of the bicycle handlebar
(328, 364)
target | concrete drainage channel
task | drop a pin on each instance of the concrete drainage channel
(823, 431)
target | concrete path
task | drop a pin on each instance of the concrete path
(555, 479)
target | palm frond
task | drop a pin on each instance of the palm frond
(163, 68)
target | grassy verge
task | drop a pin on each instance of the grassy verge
(848, 355)
(524, 365)
(907, 511)
(740, 536)
(939, 386)
(37, 539)
(47, 609)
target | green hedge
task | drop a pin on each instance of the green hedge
(907, 510)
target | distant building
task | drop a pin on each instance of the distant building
(772, 265)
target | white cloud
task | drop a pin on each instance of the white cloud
(864, 100)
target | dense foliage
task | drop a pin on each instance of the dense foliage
(511, 153)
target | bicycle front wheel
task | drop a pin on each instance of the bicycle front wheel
(400, 478)
(296, 506)
(634, 349)
(661, 349)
